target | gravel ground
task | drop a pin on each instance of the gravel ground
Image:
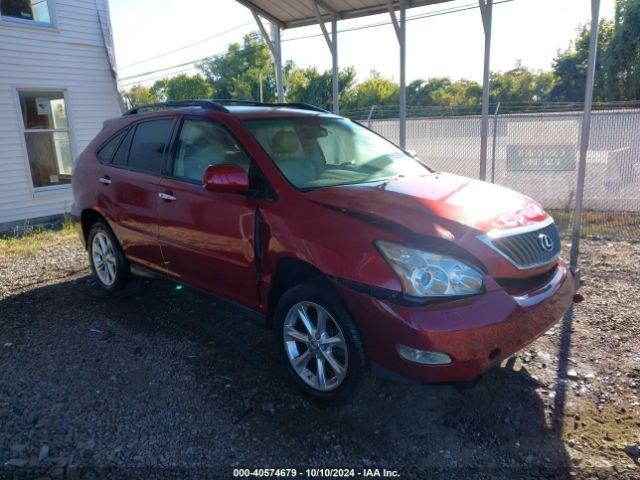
(162, 382)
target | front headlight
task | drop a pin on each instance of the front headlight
(426, 274)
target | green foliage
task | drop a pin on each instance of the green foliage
(623, 52)
(139, 95)
(310, 86)
(570, 67)
(443, 92)
(159, 89)
(520, 85)
(236, 74)
(376, 90)
(182, 87)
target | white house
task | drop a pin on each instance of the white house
(57, 86)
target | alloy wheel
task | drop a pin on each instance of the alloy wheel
(315, 346)
(104, 258)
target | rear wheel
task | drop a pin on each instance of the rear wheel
(319, 343)
(107, 260)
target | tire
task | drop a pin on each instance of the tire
(108, 263)
(341, 385)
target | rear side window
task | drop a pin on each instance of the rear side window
(120, 158)
(106, 152)
(148, 145)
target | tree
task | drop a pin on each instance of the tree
(182, 87)
(139, 95)
(236, 73)
(443, 92)
(159, 89)
(570, 67)
(310, 86)
(377, 90)
(420, 92)
(521, 85)
(622, 64)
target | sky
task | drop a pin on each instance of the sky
(442, 45)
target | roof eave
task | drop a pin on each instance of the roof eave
(356, 13)
(262, 12)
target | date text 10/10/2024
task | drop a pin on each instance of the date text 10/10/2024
(316, 473)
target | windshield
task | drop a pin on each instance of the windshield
(315, 152)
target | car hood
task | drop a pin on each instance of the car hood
(415, 203)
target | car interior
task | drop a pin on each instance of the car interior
(202, 144)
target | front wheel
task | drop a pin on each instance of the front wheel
(319, 343)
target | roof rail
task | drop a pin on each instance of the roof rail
(254, 103)
(204, 104)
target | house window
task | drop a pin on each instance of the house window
(29, 10)
(46, 134)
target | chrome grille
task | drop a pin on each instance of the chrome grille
(529, 249)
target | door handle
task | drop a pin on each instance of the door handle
(166, 196)
(105, 180)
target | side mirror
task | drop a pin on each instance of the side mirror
(226, 178)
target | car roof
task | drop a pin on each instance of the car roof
(241, 109)
(240, 112)
(253, 112)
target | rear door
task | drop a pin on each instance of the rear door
(130, 187)
(207, 238)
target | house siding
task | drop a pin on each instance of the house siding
(69, 57)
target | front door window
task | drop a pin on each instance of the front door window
(204, 143)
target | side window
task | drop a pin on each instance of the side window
(148, 145)
(26, 10)
(47, 137)
(108, 149)
(203, 143)
(120, 158)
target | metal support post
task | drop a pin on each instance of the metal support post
(495, 141)
(332, 43)
(486, 10)
(585, 133)
(334, 54)
(369, 118)
(275, 35)
(275, 47)
(401, 32)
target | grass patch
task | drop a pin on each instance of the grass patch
(609, 225)
(32, 240)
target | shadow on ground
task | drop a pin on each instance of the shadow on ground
(164, 380)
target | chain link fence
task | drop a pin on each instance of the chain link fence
(537, 154)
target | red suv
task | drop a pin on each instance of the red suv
(360, 257)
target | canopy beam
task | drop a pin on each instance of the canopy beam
(275, 47)
(585, 133)
(486, 11)
(400, 26)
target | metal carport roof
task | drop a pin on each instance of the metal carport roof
(299, 13)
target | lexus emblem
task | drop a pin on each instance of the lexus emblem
(545, 242)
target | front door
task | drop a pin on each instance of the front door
(207, 238)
